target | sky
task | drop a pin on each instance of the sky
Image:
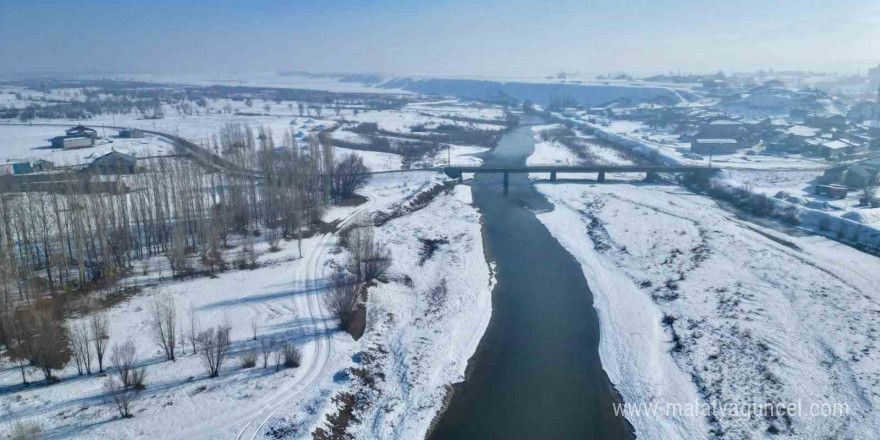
(455, 37)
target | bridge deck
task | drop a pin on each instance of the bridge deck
(580, 169)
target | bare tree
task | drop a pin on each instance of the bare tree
(163, 324)
(350, 174)
(120, 395)
(122, 358)
(370, 259)
(47, 340)
(214, 348)
(100, 335)
(267, 346)
(80, 346)
(341, 298)
(254, 329)
(193, 335)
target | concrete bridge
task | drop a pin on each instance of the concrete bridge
(651, 171)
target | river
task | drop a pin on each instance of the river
(536, 373)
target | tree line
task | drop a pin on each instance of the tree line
(56, 245)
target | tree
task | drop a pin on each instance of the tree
(45, 340)
(267, 347)
(163, 324)
(193, 335)
(80, 346)
(350, 174)
(214, 348)
(370, 259)
(341, 298)
(120, 395)
(122, 358)
(99, 335)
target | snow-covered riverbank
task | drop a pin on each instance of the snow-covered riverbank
(423, 326)
(697, 305)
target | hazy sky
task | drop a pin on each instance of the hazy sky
(509, 37)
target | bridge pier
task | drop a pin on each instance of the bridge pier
(601, 176)
(553, 176)
(506, 182)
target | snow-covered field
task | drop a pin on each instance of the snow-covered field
(752, 315)
(423, 337)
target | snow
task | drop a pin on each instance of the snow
(758, 313)
(374, 160)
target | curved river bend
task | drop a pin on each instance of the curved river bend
(536, 373)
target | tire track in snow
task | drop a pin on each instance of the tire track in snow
(317, 371)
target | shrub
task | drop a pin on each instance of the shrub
(292, 356)
(248, 360)
(342, 297)
(26, 430)
(138, 378)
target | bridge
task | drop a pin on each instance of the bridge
(651, 171)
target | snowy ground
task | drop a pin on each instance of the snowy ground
(754, 315)
(426, 338)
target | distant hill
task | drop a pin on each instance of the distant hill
(540, 93)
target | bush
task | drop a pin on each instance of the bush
(138, 378)
(292, 356)
(248, 360)
(341, 298)
(26, 430)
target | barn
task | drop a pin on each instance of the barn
(113, 162)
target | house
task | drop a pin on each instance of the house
(825, 120)
(131, 133)
(42, 165)
(835, 148)
(72, 142)
(862, 174)
(22, 168)
(862, 111)
(113, 162)
(723, 129)
(714, 146)
(81, 130)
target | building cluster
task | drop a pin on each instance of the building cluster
(114, 162)
(711, 131)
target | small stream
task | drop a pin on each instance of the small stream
(536, 373)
